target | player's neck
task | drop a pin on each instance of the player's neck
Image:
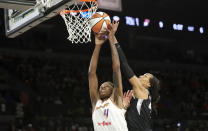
(104, 99)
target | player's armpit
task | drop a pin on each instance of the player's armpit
(140, 92)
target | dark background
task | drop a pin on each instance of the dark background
(43, 76)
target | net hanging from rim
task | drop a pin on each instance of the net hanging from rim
(77, 17)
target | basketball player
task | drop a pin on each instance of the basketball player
(107, 107)
(145, 95)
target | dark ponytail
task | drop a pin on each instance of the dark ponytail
(154, 92)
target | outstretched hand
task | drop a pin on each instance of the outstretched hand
(127, 98)
(99, 38)
(112, 28)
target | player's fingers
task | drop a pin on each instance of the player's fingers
(130, 96)
(124, 94)
(129, 92)
(100, 37)
(107, 30)
(103, 33)
(109, 26)
(117, 22)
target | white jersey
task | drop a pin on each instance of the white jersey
(108, 117)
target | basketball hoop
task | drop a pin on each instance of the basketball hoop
(77, 17)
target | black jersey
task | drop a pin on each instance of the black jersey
(138, 115)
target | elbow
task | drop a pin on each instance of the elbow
(92, 69)
(90, 73)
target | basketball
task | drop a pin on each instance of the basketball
(99, 21)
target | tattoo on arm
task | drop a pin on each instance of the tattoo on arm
(115, 53)
(116, 79)
(118, 94)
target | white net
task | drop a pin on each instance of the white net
(76, 18)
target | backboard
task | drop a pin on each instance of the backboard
(22, 15)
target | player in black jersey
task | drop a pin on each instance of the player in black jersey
(145, 96)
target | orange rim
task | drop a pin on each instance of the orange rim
(65, 11)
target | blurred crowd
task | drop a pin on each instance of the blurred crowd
(52, 94)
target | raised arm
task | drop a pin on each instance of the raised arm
(139, 91)
(92, 76)
(117, 80)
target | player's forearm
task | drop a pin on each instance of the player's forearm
(115, 40)
(115, 56)
(117, 80)
(128, 72)
(94, 59)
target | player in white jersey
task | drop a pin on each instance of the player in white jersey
(107, 107)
